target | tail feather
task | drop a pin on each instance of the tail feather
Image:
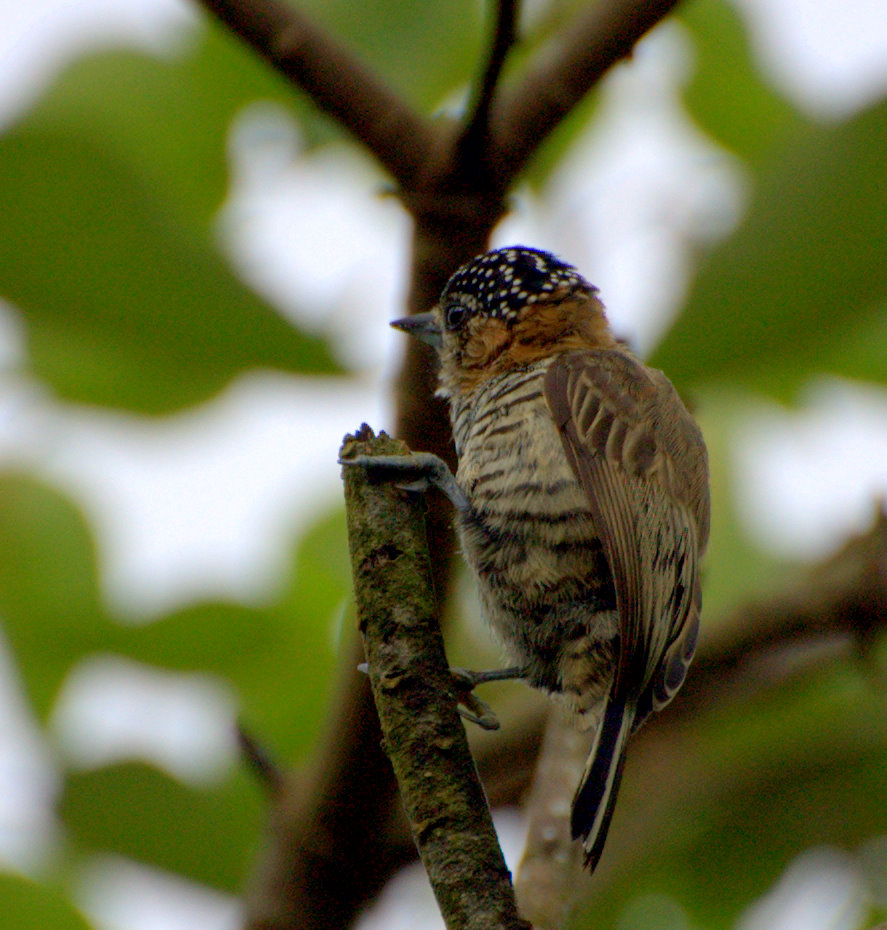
(595, 798)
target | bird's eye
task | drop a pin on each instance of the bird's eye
(454, 316)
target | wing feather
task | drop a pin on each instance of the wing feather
(641, 460)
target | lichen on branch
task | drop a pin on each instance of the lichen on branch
(416, 699)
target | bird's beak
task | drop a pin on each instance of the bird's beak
(423, 326)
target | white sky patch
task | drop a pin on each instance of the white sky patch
(40, 36)
(822, 889)
(809, 477)
(112, 709)
(121, 895)
(317, 234)
(205, 503)
(828, 56)
(28, 780)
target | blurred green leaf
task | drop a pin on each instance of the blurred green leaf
(734, 569)
(123, 307)
(27, 905)
(109, 188)
(53, 617)
(166, 121)
(860, 352)
(206, 834)
(315, 608)
(809, 765)
(803, 280)
(49, 598)
(727, 95)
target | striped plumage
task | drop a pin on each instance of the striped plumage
(586, 504)
(530, 539)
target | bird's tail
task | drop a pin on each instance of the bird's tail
(596, 796)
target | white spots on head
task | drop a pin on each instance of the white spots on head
(502, 282)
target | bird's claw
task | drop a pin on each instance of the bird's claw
(383, 466)
(420, 470)
(419, 486)
(474, 708)
(468, 679)
(378, 462)
(469, 705)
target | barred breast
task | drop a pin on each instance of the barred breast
(545, 585)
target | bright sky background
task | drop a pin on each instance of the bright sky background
(205, 502)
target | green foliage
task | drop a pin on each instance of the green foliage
(726, 95)
(49, 597)
(734, 568)
(426, 52)
(165, 122)
(802, 275)
(291, 639)
(27, 905)
(207, 834)
(123, 307)
(54, 617)
(105, 238)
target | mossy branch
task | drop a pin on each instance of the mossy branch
(416, 700)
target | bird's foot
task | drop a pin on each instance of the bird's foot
(415, 472)
(470, 706)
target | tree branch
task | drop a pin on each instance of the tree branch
(550, 867)
(336, 81)
(415, 698)
(567, 69)
(475, 133)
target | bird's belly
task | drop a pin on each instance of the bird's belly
(544, 582)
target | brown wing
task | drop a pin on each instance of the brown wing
(642, 461)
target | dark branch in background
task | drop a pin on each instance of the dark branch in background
(416, 700)
(327, 850)
(339, 84)
(568, 68)
(473, 140)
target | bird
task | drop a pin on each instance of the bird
(581, 497)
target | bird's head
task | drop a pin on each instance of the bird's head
(506, 309)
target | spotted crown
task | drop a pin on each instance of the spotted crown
(502, 282)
